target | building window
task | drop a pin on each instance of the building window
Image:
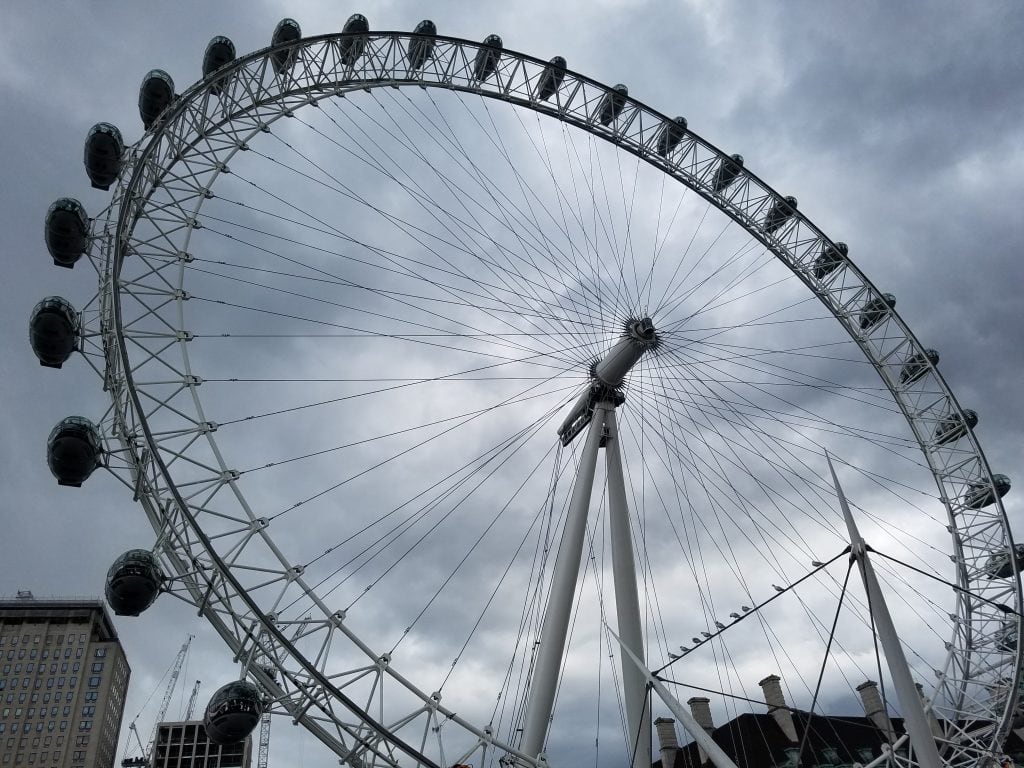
(97, 666)
(101, 652)
(85, 725)
(94, 681)
(64, 667)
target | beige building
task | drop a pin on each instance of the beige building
(63, 680)
(184, 745)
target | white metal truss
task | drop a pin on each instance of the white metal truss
(223, 555)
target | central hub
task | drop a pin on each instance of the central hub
(608, 374)
(638, 337)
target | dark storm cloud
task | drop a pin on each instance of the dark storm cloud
(897, 129)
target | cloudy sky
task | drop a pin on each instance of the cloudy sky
(898, 131)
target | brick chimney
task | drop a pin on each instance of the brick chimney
(777, 708)
(668, 743)
(700, 708)
(875, 709)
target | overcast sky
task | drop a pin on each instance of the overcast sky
(896, 126)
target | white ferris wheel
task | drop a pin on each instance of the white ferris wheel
(484, 412)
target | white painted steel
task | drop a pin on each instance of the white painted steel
(714, 752)
(627, 601)
(184, 154)
(919, 729)
(558, 612)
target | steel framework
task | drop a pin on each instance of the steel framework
(227, 563)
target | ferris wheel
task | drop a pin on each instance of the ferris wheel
(371, 308)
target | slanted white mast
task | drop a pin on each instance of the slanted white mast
(921, 737)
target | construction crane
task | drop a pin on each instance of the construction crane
(264, 750)
(147, 751)
(192, 701)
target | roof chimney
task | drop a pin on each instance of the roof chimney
(777, 708)
(667, 741)
(700, 708)
(875, 709)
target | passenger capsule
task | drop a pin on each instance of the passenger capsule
(727, 172)
(551, 78)
(421, 48)
(831, 259)
(133, 582)
(220, 51)
(53, 331)
(233, 712)
(286, 31)
(612, 104)
(66, 231)
(953, 427)
(780, 212)
(103, 150)
(351, 47)
(1000, 566)
(981, 494)
(155, 95)
(874, 311)
(918, 365)
(73, 450)
(487, 57)
(671, 133)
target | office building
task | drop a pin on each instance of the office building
(63, 680)
(184, 745)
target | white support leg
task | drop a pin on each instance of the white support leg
(563, 586)
(627, 602)
(921, 738)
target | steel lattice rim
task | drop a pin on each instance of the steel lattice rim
(250, 85)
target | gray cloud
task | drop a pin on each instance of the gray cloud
(897, 130)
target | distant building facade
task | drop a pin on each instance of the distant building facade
(184, 745)
(63, 680)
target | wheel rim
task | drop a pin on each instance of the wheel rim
(796, 243)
